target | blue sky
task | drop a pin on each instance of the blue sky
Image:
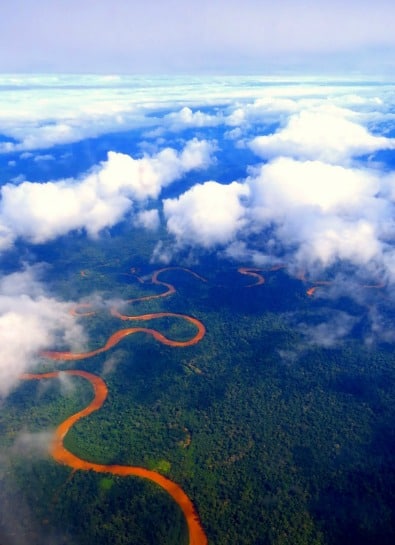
(209, 36)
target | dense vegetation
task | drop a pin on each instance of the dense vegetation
(276, 439)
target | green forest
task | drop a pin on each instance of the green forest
(277, 439)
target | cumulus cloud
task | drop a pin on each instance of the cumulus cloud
(309, 213)
(264, 109)
(313, 202)
(326, 133)
(40, 212)
(148, 219)
(285, 183)
(325, 211)
(186, 117)
(208, 214)
(30, 321)
(335, 239)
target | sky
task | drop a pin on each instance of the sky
(209, 36)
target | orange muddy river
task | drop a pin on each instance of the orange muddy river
(65, 457)
(197, 535)
(254, 272)
(58, 451)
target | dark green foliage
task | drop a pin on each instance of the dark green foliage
(85, 507)
(290, 443)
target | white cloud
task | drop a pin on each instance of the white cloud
(308, 213)
(320, 212)
(162, 253)
(241, 252)
(326, 133)
(30, 321)
(46, 111)
(310, 200)
(7, 237)
(285, 183)
(185, 118)
(330, 332)
(208, 214)
(148, 219)
(33, 444)
(39, 112)
(332, 239)
(40, 212)
(44, 157)
(267, 108)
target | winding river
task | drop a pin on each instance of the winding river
(254, 272)
(63, 456)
